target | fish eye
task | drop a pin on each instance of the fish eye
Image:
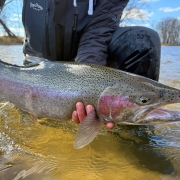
(144, 100)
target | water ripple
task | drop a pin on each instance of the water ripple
(44, 149)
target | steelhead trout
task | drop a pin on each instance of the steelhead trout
(52, 89)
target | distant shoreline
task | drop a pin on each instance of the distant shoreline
(169, 45)
(5, 40)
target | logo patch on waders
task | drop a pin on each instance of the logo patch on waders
(36, 6)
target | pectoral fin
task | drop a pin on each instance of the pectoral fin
(88, 130)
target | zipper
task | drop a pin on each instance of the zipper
(46, 28)
(74, 29)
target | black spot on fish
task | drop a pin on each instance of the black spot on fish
(161, 94)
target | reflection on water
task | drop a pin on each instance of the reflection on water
(44, 150)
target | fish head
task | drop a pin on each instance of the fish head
(131, 100)
(137, 100)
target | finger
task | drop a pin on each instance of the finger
(80, 111)
(89, 108)
(75, 117)
(110, 125)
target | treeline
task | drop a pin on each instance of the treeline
(169, 31)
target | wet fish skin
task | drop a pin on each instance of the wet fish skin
(51, 89)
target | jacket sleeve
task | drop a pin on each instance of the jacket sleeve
(93, 46)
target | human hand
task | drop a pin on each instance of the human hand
(81, 112)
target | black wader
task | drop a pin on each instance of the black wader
(136, 50)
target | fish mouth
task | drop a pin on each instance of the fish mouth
(158, 115)
(152, 115)
(161, 115)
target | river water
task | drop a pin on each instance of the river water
(44, 150)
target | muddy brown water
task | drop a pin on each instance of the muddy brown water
(44, 150)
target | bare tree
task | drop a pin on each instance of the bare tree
(5, 14)
(135, 10)
(8, 31)
(169, 30)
